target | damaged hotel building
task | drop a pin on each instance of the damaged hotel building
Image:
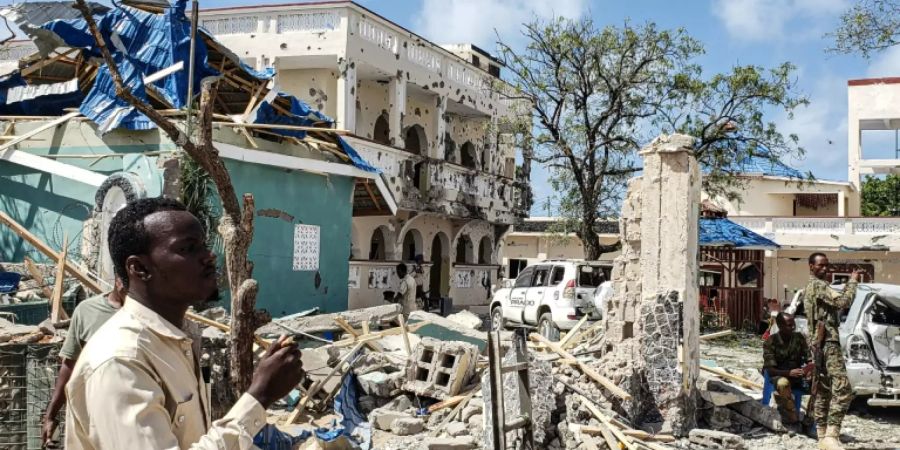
(421, 160)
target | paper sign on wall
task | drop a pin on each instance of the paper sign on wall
(353, 281)
(306, 247)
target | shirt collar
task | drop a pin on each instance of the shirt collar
(152, 320)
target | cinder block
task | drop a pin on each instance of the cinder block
(440, 369)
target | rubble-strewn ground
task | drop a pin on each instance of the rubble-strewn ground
(864, 427)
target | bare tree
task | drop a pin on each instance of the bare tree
(236, 223)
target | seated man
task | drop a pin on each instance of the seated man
(787, 360)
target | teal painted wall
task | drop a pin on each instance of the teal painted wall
(309, 199)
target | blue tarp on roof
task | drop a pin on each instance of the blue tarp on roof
(144, 43)
(719, 232)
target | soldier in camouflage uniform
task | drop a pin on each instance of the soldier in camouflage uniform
(824, 304)
(787, 360)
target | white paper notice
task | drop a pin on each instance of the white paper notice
(306, 247)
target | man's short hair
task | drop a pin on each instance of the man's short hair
(781, 319)
(812, 258)
(127, 235)
(401, 269)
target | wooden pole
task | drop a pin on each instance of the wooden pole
(56, 310)
(587, 370)
(38, 277)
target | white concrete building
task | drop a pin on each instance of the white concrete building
(429, 117)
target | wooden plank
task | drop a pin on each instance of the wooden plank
(49, 252)
(564, 343)
(740, 380)
(318, 385)
(715, 335)
(452, 401)
(406, 346)
(352, 331)
(587, 370)
(38, 277)
(282, 127)
(605, 421)
(253, 99)
(52, 124)
(56, 310)
(222, 327)
(378, 335)
(372, 195)
(462, 404)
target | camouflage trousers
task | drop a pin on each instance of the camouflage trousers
(784, 398)
(834, 394)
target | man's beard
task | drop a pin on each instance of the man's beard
(209, 302)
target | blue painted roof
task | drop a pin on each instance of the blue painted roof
(762, 163)
(721, 232)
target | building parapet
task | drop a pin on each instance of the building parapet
(827, 232)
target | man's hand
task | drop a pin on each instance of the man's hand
(279, 371)
(795, 373)
(808, 368)
(48, 427)
(857, 274)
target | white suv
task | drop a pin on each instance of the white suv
(552, 295)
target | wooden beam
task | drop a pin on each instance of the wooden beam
(378, 335)
(56, 310)
(564, 343)
(606, 421)
(253, 99)
(282, 127)
(587, 370)
(405, 329)
(49, 252)
(224, 328)
(452, 401)
(318, 385)
(52, 124)
(715, 335)
(740, 380)
(38, 277)
(372, 195)
(352, 331)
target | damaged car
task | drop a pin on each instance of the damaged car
(870, 338)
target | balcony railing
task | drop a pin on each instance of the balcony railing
(446, 185)
(855, 232)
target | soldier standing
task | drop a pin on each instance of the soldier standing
(824, 304)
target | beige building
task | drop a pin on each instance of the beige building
(429, 117)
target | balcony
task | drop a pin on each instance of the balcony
(870, 233)
(431, 185)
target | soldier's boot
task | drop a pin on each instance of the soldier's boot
(832, 439)
(821, 430)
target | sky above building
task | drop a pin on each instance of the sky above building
(759, 32)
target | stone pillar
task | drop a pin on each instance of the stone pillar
(670, 199)
(346, 96)
(841, 204)
(397, 97)
(436, 149)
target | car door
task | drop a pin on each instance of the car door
(535, 295)
(517, 294)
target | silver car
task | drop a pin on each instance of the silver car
(870, 337)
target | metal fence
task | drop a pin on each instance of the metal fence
(27, 377)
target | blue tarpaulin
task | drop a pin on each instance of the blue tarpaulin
(144, 43)
(45, 105)
(718, 232)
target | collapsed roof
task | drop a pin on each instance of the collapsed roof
(151, 46)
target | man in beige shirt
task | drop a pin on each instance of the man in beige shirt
(137, 384)
(406, 295)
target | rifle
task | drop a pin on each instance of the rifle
(819, 360)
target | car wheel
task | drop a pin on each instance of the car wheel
(547, 328)
(497, 321)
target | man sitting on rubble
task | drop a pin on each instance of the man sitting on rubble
(787, 361)
(87, 318)
(137, 383)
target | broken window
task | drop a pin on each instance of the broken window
(377, 245)
(415, 139)
(463, 250)
(469, 155)
(449, 149)
(484, 251)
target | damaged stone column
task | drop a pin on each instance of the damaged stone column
(397, 97)
(652, 322)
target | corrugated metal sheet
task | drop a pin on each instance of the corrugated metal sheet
(723, 232)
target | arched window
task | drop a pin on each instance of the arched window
(377, 246)
(382, 132)
(484, 251)
(416, 141)
(463, 250)
(412, 245)
(469, 155)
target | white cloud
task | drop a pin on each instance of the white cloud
(822, 129)
(479, 21)
(772, 20)
(887, 64)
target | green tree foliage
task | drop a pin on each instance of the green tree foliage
(881, 197)
(867, 27)
(598, 95)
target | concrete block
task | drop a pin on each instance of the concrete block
(380, 384)
(711, 439)
(383, 419)
(440, 369)
(456, 429)
(456, 443)
(466, 319)
(407, 426)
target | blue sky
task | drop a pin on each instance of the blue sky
(761, 32)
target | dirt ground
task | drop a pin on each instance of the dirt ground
(864, 427)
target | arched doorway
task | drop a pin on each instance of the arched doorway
(382, 131)
(484, 251)
(439, 275)
(415, 139)
(449, 149)
(464, 250)
(412, 245)
(378, 246)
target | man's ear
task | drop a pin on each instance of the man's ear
(136, 268)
